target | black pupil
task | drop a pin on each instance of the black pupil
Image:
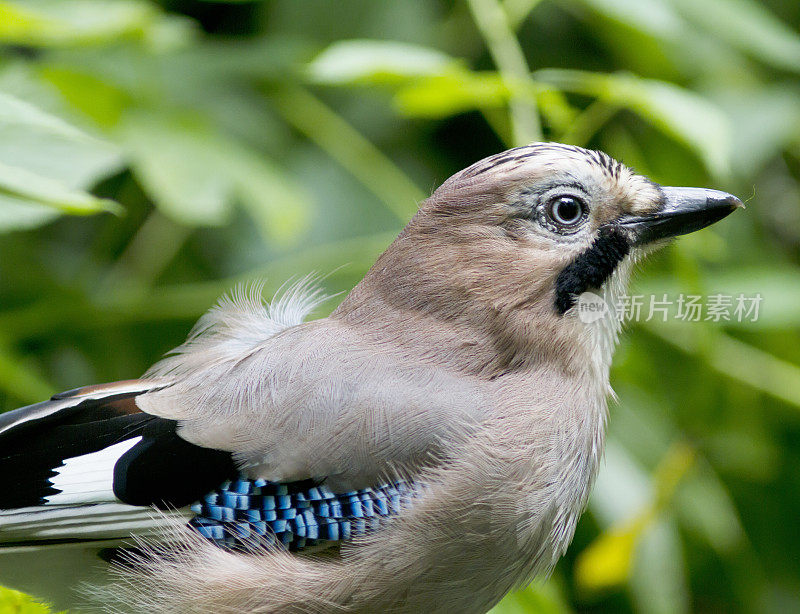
(567, 210)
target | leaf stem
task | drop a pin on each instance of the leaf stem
(494, 26)
(349, 148)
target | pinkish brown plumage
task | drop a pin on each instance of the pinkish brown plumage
(458, 364)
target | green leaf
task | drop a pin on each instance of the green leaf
(777, 286)
(53, 23)
(177, 161)
(621, 502)
(19, 214)
(373, 61)
(96, 98)
(639, 545)
(736, 359)
(277, 204)
(746, 452)
(20, 183)
(607, 561)
(14, 110)
(44, 164)
(680, 113)
(348, 147)
(445, 95)
(705, 505)
(19, 380)
(49, 146)
(14, 602)
(194, 175)
(767, 120)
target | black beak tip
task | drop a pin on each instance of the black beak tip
(718, 206)
(725, 201)
(684, 210)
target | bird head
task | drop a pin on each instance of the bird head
(511, 241)
(569, 214)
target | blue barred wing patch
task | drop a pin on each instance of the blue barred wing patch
(248, 513)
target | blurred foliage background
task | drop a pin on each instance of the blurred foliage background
(152, 154)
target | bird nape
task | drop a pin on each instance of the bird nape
(434, 439)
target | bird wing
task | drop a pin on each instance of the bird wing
(253, 394)
(324, 399)
(319, 401)
(79, 466)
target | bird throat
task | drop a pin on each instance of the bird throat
(592, 267)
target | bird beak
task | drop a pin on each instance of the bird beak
(685, 210)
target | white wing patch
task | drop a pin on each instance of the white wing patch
(88, 478)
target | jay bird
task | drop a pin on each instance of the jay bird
(428, 447)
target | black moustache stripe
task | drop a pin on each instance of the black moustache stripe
(592, 267)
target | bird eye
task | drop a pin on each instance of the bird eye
(566, 211)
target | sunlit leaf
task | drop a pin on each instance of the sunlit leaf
(14, 110)
(375, 61)
(84, 22)
(44, 163)
(96, 98)
(14, 602)
(608, 561)
(49, 146)
(611, 559)
(23, 184)
(671, 470)
(446, 95)
(461, 90)
(21, 214)
(680, 113)
(620, 500)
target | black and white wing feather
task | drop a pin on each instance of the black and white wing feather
(88, 464)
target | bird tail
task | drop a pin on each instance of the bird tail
(58, 510)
